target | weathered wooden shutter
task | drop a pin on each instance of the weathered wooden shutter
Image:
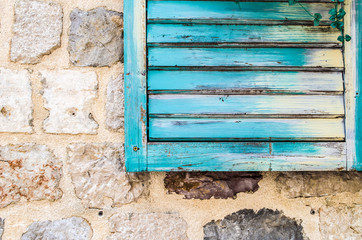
(226, 86)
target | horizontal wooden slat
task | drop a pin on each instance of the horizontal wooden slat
(181, 33)
(245, 81)
(247, 156)
(313, 57)
(231, 10)
(246, 104)
(205, 129)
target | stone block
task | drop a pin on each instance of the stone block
(37, 30)
(15, 101)
(204, 185)
(74, 228)
(95, 37)
(28, 171)
(115, 104)
(318, 184)
(341, 222)
(150, 226)
(69, 96)
(246, 224)
(98, 172)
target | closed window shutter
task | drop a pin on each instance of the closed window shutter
(226, 86)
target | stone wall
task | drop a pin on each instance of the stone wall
(62, 172)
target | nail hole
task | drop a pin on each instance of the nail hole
(100, 213)
(312, 211)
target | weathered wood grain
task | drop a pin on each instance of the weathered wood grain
(230, 10)
(206, 129)
(135, 90)
(245, 81)
(246, 156)
(306, 57)
(181, 33)
(246, 104)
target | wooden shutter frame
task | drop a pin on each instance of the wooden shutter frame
(142, 155)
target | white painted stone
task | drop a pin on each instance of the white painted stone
(115, 104)
(37, 30)
(98, 173)
(75, 228)
(341, 222)
(69, 96)
(95, 37)
(150, 226)
(30, 172)
(15, 101)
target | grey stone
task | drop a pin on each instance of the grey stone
(98, 172)
(341, 222)
(246, 224)
(204, 185)
(115, 104)
(150, 226)
(69, 96)
(28, 171)
(74, 228)
(2, 225)
(36, 31)
(16, 106)
(318, 184)
(95, 37)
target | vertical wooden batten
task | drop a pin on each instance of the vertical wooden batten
(135, 85)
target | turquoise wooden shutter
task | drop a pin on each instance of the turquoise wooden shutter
(220, 86)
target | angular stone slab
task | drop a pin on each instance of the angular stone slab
(37, 30)
(115, 103)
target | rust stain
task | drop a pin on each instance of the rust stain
(17, 163)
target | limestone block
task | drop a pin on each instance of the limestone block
(95, 37)
(341, 222)
(37, 30)
(98, 172)
(74, 228)
(30, 172)
(150, 226)
(246, 224)
(318, 184)
(115, 104)
(15, 101)
(69, 96)
(204, 185)
(2, 224)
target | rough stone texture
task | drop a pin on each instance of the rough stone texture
(74, 228)
(150, 226)
(98, 172)
(2, 225)
(246, 224)
(15, 101)
(95, 37)
(69, 96)
(341, 222)
(115, 104)
(317, 184)
(28, 171)
(36, 31)
(204, 185)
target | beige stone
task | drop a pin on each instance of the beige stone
(95, 37)
(150, 226)
(74, 228)
(341, 222)
(98, 172)
(28, 171)
(37, 30)
(2, 224)
(69, 96)
(318, 184)
(115, 104)
(15, 101)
